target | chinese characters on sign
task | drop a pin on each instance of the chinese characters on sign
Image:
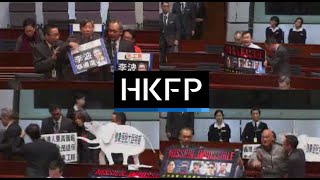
(133, 62)
(248, 149)
(199, 162)
(238, 59)
(66, 143)
(125, 138)
(89, 55)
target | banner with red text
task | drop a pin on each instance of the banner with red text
(239, 59)
(122, 172)
(199, 162)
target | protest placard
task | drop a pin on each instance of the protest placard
(67, 144)
(248, 149)
(89, 55)
(199, 162)
(133, 62)
(239, 59)
(108, 172)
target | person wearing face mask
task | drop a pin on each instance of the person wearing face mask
(252, 131)
(30, 37)
(297, 34)
(86, 155)
(57, 123)
(219, 131)
(79, 102)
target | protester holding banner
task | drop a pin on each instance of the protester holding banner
(252, 131)
(38, 153)
(269, 158)
(78, 103)
(130, 35)
(86, 155)
(296, 157)
(86, 35)
(219, 131)
(247, 40)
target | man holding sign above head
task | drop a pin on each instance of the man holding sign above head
(247, 40)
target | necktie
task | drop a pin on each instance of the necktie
(255, 126)
(165, 20)
(56, 127)
(182, 7)
(114, 48)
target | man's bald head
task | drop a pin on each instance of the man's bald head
(267, 138)
(8, 115)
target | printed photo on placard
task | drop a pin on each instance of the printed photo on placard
(199, 162)
(238, 59)
(248, 149)
(89, 55)
(133, 62)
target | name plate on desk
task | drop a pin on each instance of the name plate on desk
(239, 59)
(199, 162)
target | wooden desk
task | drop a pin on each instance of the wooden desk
(201, 45)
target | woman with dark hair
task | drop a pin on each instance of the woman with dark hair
(30, 37)
(219, 131)
(297, 34)
(79, 102)
(86, 155)
(130, 35)
(273, 30)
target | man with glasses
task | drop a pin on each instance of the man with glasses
(57, 123)
(114, 44)
(49, 56)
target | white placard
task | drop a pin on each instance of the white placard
(248, 149)
(67, 144)
(311, 147)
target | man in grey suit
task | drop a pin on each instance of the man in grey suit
(279, 59)
(57, 123)
(186, 12)
(176, 121)
(296, 157)
(49, 56)
(169, 31)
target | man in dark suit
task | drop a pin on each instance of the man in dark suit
(12, 133)
(57, 123)
(169, 31)
(114, 44)
(252, 131)
(277, 57)
(296, 157)
(38, 153)
(186, 13)
(50, 57)
(201, 16)
(176, 121)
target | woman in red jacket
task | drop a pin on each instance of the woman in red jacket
(130, 35)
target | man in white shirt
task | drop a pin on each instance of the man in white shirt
(247, 40)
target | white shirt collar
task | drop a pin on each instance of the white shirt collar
(117, 43)
(274, 30)
(222, 125)
(253, 46)
(9, 124)
(258, 123)
(297, 30)
(75, 107)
